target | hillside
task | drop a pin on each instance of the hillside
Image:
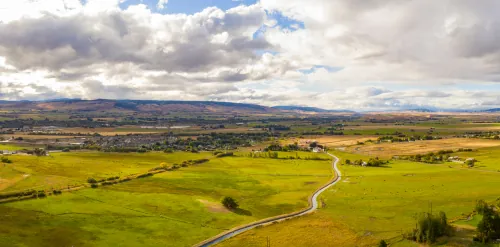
(150, 106)
(306, 109)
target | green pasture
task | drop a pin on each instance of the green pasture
(371, 204)
(11, 147)
(487, 159)
(62, 169)
(177, 208)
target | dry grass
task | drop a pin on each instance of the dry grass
(420, 147)
(292, 233)
(214, 207)
(331, 141)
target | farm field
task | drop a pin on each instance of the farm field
(371, 204)
(177, 208)
(60, 170)
(388, 150)
(330, 141)
(10, 147)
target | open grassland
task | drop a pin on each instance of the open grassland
(60, 170)
(371, 204)
(487, 159)
(177, 208)
(388, 150)
(18, 146)
(10, 147)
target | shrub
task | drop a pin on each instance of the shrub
(112, 178)
(200, 161)
(382, 243)
(220, 155)
(18, 194)
(94, 186)
(91, 180)
(41, 194)
(6, 160)
(56, 192)
(145, 175)
(108, 183)
(39, 152)
(66, 150)
(229, 203)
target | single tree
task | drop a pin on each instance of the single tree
(229, 203)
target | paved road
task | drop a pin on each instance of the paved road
(313, 205)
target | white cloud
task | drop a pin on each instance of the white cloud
(385, 54)
(161, 4)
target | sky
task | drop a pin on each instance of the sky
(364, 55)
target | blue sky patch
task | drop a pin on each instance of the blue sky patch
(285, 22)
(188, 6)
(315, 67)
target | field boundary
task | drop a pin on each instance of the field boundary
(313, 205)
(34, 193)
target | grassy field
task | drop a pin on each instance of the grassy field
(178, 208)
(371, 204)
(10, 147)
(62, 169)
(330, 141)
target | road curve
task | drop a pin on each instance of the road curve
(313, 205)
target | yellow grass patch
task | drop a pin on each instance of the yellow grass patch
(420, 147)
(213, 206)
(330, 141)
(6, 183)
(293, 232)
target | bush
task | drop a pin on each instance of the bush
(224, 154)
(94, 186)
(91, 180)
(200, 161)
(6, 160)
(229, 203)
(109, 183)
(125, 180)
(66, 150)
(382, 243)
(41, 194)
(56, 192)
(18, 194)
(39, 152)
(145, 175)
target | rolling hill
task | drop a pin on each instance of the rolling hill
(149, 106)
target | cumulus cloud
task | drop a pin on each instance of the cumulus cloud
(358, 54)
(161, 4)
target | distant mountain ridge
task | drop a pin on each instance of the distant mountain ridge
(137, 106)
(306, 109)
(492, 110)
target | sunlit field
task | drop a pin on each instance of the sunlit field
(174, 208)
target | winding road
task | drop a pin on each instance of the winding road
(313, 205)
